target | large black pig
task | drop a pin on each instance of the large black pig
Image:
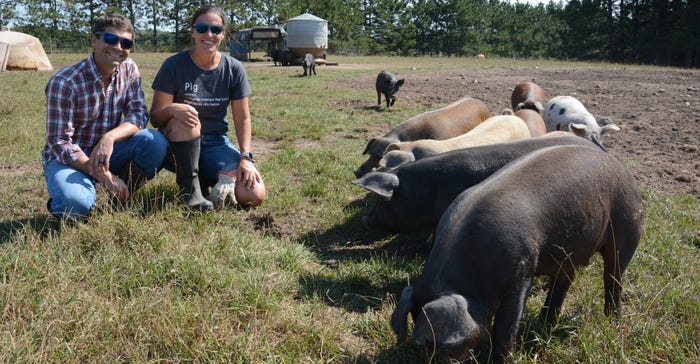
(414, 195)
(544, 214)
(282, 57)
(387, 85)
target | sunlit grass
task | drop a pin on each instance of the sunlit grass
(293, 280)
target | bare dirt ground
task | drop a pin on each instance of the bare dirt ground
(657, 110)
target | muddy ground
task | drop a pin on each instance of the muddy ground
(657, 110)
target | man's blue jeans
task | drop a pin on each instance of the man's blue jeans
(72, 192)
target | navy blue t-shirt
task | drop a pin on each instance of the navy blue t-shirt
(210, 92)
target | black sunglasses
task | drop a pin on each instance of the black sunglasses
(202, 28)
(112, 39)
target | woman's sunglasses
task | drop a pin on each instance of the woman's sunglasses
(112, 39)
(202, 28)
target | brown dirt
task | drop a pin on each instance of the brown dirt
(657, 110)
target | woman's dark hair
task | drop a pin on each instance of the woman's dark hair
(113, 20)
(211, 8)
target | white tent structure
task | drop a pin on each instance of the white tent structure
(20, 51)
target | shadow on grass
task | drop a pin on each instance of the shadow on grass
(144, 203)
(46, 226)
(410, 354)
(376, 108)
(534, 337)
(351, 242)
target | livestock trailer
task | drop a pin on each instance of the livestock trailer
(247, 39)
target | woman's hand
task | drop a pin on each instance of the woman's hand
(185, 114)
(248, 175)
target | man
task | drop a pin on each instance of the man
(95, 125)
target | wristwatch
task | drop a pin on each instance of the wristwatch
(248, 156)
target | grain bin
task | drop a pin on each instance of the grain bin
(307, 33)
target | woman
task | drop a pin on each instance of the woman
(192, 92)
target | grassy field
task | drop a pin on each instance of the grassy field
(297, 279)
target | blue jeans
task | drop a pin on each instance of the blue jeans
(72, 192)
(216, 152)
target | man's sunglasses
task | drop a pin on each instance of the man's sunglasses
(202, 28)
(112, 39)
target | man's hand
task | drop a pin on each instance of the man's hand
(224, 190)
(115, 185)
(101, 154)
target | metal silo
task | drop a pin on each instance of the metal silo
(307, 33)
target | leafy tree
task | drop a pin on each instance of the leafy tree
(156, 19)
(83, 13)
(644, 31)
(7, 11)
(382, 23)
(44, 18)
(175, 16)
(587, 24)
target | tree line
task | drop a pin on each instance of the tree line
(659, 32)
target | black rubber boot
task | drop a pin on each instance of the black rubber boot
(186, 172)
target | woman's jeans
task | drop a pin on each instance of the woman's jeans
(72, 192)
(216, 152)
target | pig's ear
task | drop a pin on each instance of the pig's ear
(369, 146)
(445, 321)
(400, 82)
(393, 146)
(378, 146)
(381, 183)
(395, 158)
(579, 129)
(609, 128)
(400, 315)
(604, 121)
(540, 108)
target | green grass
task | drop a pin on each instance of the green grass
(297, 279)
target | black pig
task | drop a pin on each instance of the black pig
(388, 85)
(414, 195)
(283, 57)
(544, 214)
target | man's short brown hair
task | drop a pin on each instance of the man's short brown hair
(113, 20)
